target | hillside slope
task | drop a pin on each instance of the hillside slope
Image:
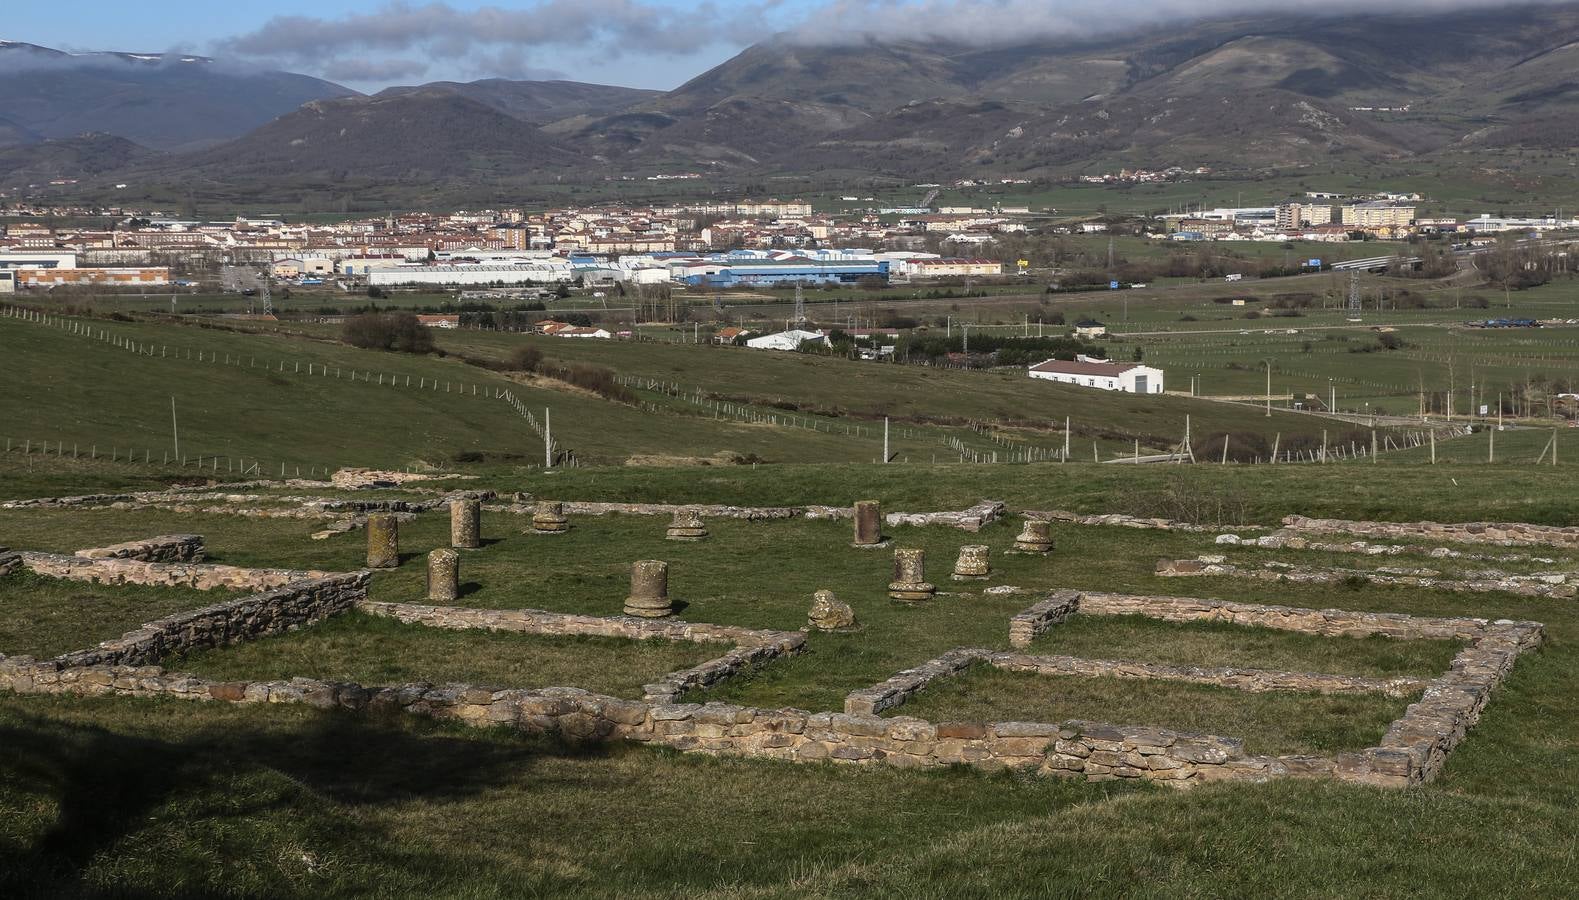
(158, 101)
(427, 134)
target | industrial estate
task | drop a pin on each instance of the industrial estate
(1036, 481)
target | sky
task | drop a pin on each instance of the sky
(371, 44)
(213, 28)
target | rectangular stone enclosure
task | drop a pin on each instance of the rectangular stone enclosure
(1412, 751)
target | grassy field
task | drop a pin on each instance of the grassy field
(165, 798)
(251, 395)
(244, 402)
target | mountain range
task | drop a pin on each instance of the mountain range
(1275, 91)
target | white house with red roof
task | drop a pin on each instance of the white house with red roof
(1102, 374)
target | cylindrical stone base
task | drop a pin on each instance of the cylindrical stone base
(649, 596)
(868, 523)
(910, 577)
(383, 541)
(466, 524)
(1036, 536)
(549, 518)
(973, 564)
(686, 526)
(444, 576)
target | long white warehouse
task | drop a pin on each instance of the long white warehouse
(534, 274)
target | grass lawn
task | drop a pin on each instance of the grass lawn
(45, 617)
(1270, 723)
(374, 651)
(1141, 639)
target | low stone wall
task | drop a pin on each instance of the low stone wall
(9, 561)
(1123, 521)
(1254, 681)
(901, 687)
(707, 511)
(1553, 585)
(751, 647)
(1282, 540)
(164, 548)
(973, 519)
(357, 479)
(201, 576)
(1506, 534)
(1324, 622)
(254, 616)
(1026, 626)
(1416, 746)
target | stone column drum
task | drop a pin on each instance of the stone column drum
(973, 564)
(466, 524)
(868, 524)
(1035, 537)
(910, 577)
(549, 518)
(686, 526)
(649, 596)
(444, 576)
(383, 541)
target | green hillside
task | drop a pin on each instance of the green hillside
(106, 386)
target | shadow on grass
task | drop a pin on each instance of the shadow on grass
(106, 785)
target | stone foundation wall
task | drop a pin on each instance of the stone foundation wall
(1506, 534)
(1325, 622)
(751, 647)
(1416, 746)
(900, 688)
(165, 548)
(974, 519)
(1282, 540)
(1123, 521)
(707, 511)
(1026, 626)
(1254, 681)
(254, 616)
(201, 576)
(1553, 585)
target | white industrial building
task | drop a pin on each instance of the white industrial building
(1087, 371)
(786, 340)
(38, 259)
(472, 275)
(7, 282)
